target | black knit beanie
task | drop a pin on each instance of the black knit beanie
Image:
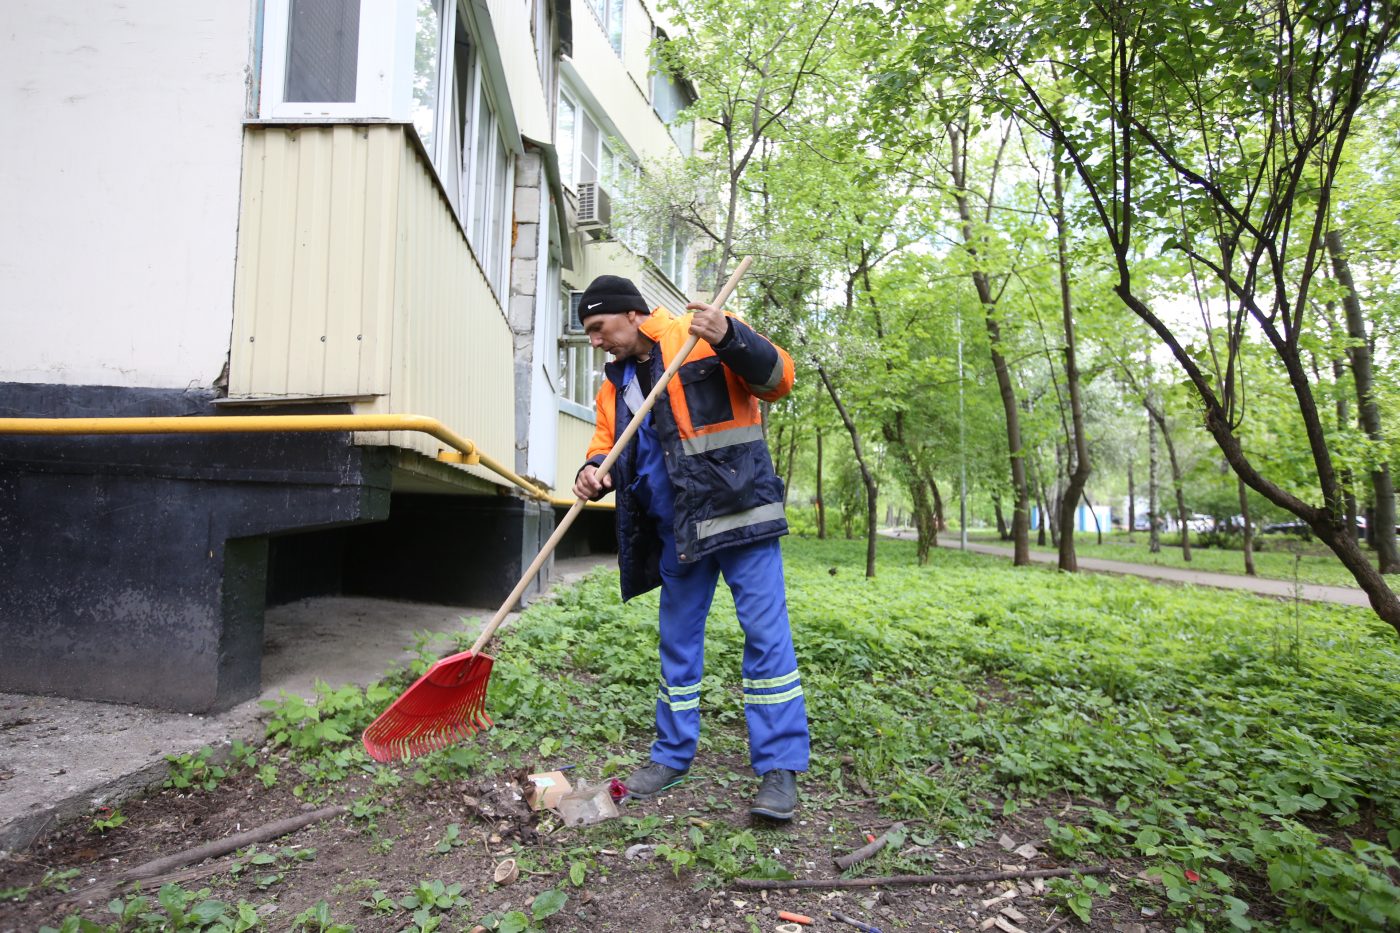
(610, 294)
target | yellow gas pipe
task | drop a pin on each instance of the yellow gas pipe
(465, 451)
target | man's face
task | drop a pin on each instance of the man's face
(619, 334)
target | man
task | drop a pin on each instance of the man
(697, 496)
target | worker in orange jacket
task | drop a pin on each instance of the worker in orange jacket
(697, 496)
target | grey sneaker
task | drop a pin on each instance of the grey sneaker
(652, 778)
(777, 795)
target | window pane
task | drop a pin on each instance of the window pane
(481, 169)
(614, 24)
(500, 223)
(426, 45)
(588, 141)
(323, 46)
(567, 152)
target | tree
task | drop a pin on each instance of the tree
(1216, 128)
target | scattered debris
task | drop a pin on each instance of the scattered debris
(1027, 851)
(801, 919)
(863, 927)
(501, 804)
(587, 804)
(641, 851)
(1006, 842)
(544, 790)
(506, 872)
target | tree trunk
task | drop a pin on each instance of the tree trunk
(1360, 353)
(1132, 502)
(1339, 369)
(940, 522)
(1020, 531)
(925, 518)
(790, 459)
(872, 491)
(1098, 528)
(1154, 536)
(1079, 461)
(821, 506)
(1002, 533)
(1248, 528)
(1177, 482)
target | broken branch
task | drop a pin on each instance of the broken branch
(763, 884)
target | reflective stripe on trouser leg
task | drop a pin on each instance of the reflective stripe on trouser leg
(686, 592)
(773, 702)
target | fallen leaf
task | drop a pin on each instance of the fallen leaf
(1006, 842)
(1027, 851)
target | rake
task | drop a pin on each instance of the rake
(449, 701)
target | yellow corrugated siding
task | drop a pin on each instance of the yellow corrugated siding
(345, 235)
(314, 276)
(574, 435)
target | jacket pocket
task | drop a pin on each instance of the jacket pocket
(706, 392)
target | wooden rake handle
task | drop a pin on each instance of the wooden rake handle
(606, 465)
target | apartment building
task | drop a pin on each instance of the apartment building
(227, 214)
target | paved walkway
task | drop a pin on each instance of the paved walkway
(1313, 592)
(60, 758)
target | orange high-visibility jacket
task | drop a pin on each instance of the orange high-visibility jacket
(711, 433)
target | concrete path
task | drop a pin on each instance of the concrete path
(1312, 592)
(61, 759)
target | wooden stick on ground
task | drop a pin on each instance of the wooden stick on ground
(166, 868)
(763, 884)
(869, 849)
(229, 844)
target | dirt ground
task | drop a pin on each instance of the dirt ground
(394, 849)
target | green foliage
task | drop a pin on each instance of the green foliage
(317, 919)
(175, 911)
(334, 720)
(107, 818)
(195, 771)
(450, 839)
(1183, 736)
(53, 880)
(544, 906)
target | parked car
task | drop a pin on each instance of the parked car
(1294, 527)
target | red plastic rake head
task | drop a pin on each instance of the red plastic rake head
(447, 703)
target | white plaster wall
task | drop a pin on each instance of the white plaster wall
(119, 184)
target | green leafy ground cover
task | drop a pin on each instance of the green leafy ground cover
(1314, 563)
(1227, 736)
(1235, 759)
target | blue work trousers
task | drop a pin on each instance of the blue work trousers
(773, 703)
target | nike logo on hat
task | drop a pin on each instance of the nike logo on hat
(594, 305)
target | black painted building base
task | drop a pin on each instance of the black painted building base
(137, 568)
(455, 550)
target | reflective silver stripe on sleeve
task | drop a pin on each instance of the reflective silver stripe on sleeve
(718, 439)
(775, 379)
(710, 527)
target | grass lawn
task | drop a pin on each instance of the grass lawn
(1235, 761)
(1315, 564)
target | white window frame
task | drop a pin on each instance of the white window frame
(575, 347)
(380, 21)
(603, 18)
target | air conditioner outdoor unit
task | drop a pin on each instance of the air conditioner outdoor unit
(594, 206)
